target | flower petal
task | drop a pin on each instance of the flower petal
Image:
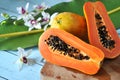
(45, 27)
(27, 6)
(28, 53)
(21, 51)
(40, 7)
(39, 19)
(30, 28)
(37, 26)
(27, 23)
(19, 63)
(45, 15)
(19, 9)
(52, 17)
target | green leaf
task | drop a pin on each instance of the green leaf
(110, 5)
(12, 28)
(24, 41)
(76, 6)
(8, 27)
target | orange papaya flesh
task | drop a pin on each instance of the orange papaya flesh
(101, 31)
(62, 48)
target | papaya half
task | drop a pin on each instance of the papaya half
(62, 48)
(101, 30)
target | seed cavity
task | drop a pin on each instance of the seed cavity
(105, 38)
(57, 44)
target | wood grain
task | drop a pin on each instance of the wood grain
(110, 70)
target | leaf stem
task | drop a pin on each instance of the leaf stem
(20, 33)
(114, 10)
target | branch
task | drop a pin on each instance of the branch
(114, 10)
(20, 33)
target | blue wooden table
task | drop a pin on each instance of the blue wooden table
(8, 69)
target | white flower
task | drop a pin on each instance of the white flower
(24, 13)
(41, 7)
(23, 57)
(52, 17)
(22, 10)
(33, 24)
(30, 20)
(46, 18)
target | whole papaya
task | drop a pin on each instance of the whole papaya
(72, 23)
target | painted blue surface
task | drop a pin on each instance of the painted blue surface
(8, 69)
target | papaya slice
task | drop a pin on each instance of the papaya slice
(101, 31)
(62, 48)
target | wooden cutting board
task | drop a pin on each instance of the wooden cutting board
(110, 70)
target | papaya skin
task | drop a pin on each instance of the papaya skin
(72, 23)
(89, 11)
(90, 67)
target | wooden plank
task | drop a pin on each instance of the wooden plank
(3, 78)
(110, 71)
(10, 70)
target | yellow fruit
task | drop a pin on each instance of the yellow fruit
(72, 23)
